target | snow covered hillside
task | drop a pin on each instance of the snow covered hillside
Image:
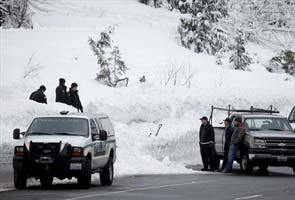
(58, 47)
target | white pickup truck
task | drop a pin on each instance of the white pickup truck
(65, 146)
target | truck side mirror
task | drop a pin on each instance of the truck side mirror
(16, 134)
(103, 135)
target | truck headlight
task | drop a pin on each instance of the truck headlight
(259, 143)
(77, 152)
(19, 151)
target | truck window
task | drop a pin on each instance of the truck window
(106, 124)
(265, 123)
(93, 127)
(59, 126)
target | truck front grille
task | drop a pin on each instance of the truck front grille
(281, 144)
(38, 150)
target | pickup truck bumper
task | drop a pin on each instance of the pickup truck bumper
(60, 166)
(259, 158)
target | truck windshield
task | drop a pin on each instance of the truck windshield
(263, 123)
(59, 126)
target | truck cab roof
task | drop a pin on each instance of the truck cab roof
(76, 115)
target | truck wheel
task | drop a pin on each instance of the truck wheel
(84, 180)
(46, 181)
(245, 164)
(263, 169)
(20, 179)
(107, 175)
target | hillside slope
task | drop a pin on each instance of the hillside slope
(57, 47)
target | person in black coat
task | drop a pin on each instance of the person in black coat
(62, 95)
(39, 95)
(228, 133)
(207, 140)
(74, 97)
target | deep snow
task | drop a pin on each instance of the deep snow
(146, 36)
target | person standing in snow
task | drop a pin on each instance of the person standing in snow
(228, 133)
(206, 141)
(39, 95)
(74, 97)
(61, 92)
(236, 140)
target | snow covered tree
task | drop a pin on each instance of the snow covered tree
(155, 3)
(109, 59)
(18, 15)
(119, 68)
(284, 61)
(199, 32)
(240, 58)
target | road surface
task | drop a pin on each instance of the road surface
(279, 184)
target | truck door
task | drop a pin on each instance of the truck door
(99, 146)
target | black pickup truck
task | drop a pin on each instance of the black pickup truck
(269, 140)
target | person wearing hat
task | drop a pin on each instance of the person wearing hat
(228, 131)
(236, 139)
(206, 141)
(61, 92)
(74, 97)
(39, 95)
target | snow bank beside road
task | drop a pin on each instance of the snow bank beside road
(146, 36)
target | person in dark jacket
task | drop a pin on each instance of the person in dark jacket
(207, 140)
(62, 95)
(228, 133)
(39, 95)
(74, 97)
(236, 140)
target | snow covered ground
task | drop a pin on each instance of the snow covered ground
(57, 47)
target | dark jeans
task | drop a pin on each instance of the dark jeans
(231, 157)
(207, 153)
(226, 150)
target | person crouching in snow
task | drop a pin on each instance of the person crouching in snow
(74, 97)
(39, 95)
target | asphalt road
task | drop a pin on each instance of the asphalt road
(279, 184)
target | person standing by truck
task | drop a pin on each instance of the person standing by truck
(236, 139)
(206, 141)
(228, 133)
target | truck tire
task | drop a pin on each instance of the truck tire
(20, 179)
(263, 169)
(245, 164)
(107, 175)
(84, 180)
(46, 181)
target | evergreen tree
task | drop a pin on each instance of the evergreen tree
(119, 68)
(240, 58)
(284, 61)
(18, 14)
(109, 59)
(199, 32)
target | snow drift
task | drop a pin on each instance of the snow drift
(57, 47)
